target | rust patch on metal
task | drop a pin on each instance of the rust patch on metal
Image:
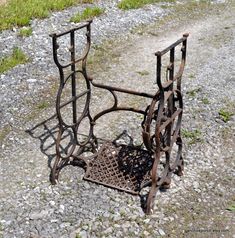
(121, 167)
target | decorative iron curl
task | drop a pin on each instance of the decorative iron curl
(65, 155)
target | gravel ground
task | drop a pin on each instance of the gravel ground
(196, 204)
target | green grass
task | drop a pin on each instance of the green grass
(88, 13)
(25, 32)
(8, 62)
(4, 132)
(43, 105)
(205, 101)
(231, 208)
(191, 76)
(133, 4)
(193, 92)
(225, 115)
(205, 1)
(21, 12)
(193, 136)
(87, 1)
(143, 73)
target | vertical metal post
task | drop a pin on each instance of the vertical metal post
(172, 59)
(73, 69)
(183, 49)
(171, 77)
(170, 102)
(159, 65)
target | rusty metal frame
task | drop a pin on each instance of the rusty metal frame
(164, 114)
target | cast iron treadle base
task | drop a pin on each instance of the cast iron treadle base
(123, 167)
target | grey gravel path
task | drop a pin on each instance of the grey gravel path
(195, 205)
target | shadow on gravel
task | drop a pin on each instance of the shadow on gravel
(46, 132)
(131, 160)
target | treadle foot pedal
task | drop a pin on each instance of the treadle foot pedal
(122, 167)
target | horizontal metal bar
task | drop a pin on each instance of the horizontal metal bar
(112, 186)
(167, 94)
(167, 84)
(160, 53)
(74, 98)
(123, 90)
(179, 74)
(74, 29)
(175, 114)
(113, 109)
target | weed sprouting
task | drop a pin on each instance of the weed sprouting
(88, 13)
(194, 136)
(25, 32)
(133, 4)
(193, 92)
(17, 57)
(225, 115)
(143, 72)
(231, 208)
(205, 101)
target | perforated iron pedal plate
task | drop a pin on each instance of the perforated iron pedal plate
(123, 167)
